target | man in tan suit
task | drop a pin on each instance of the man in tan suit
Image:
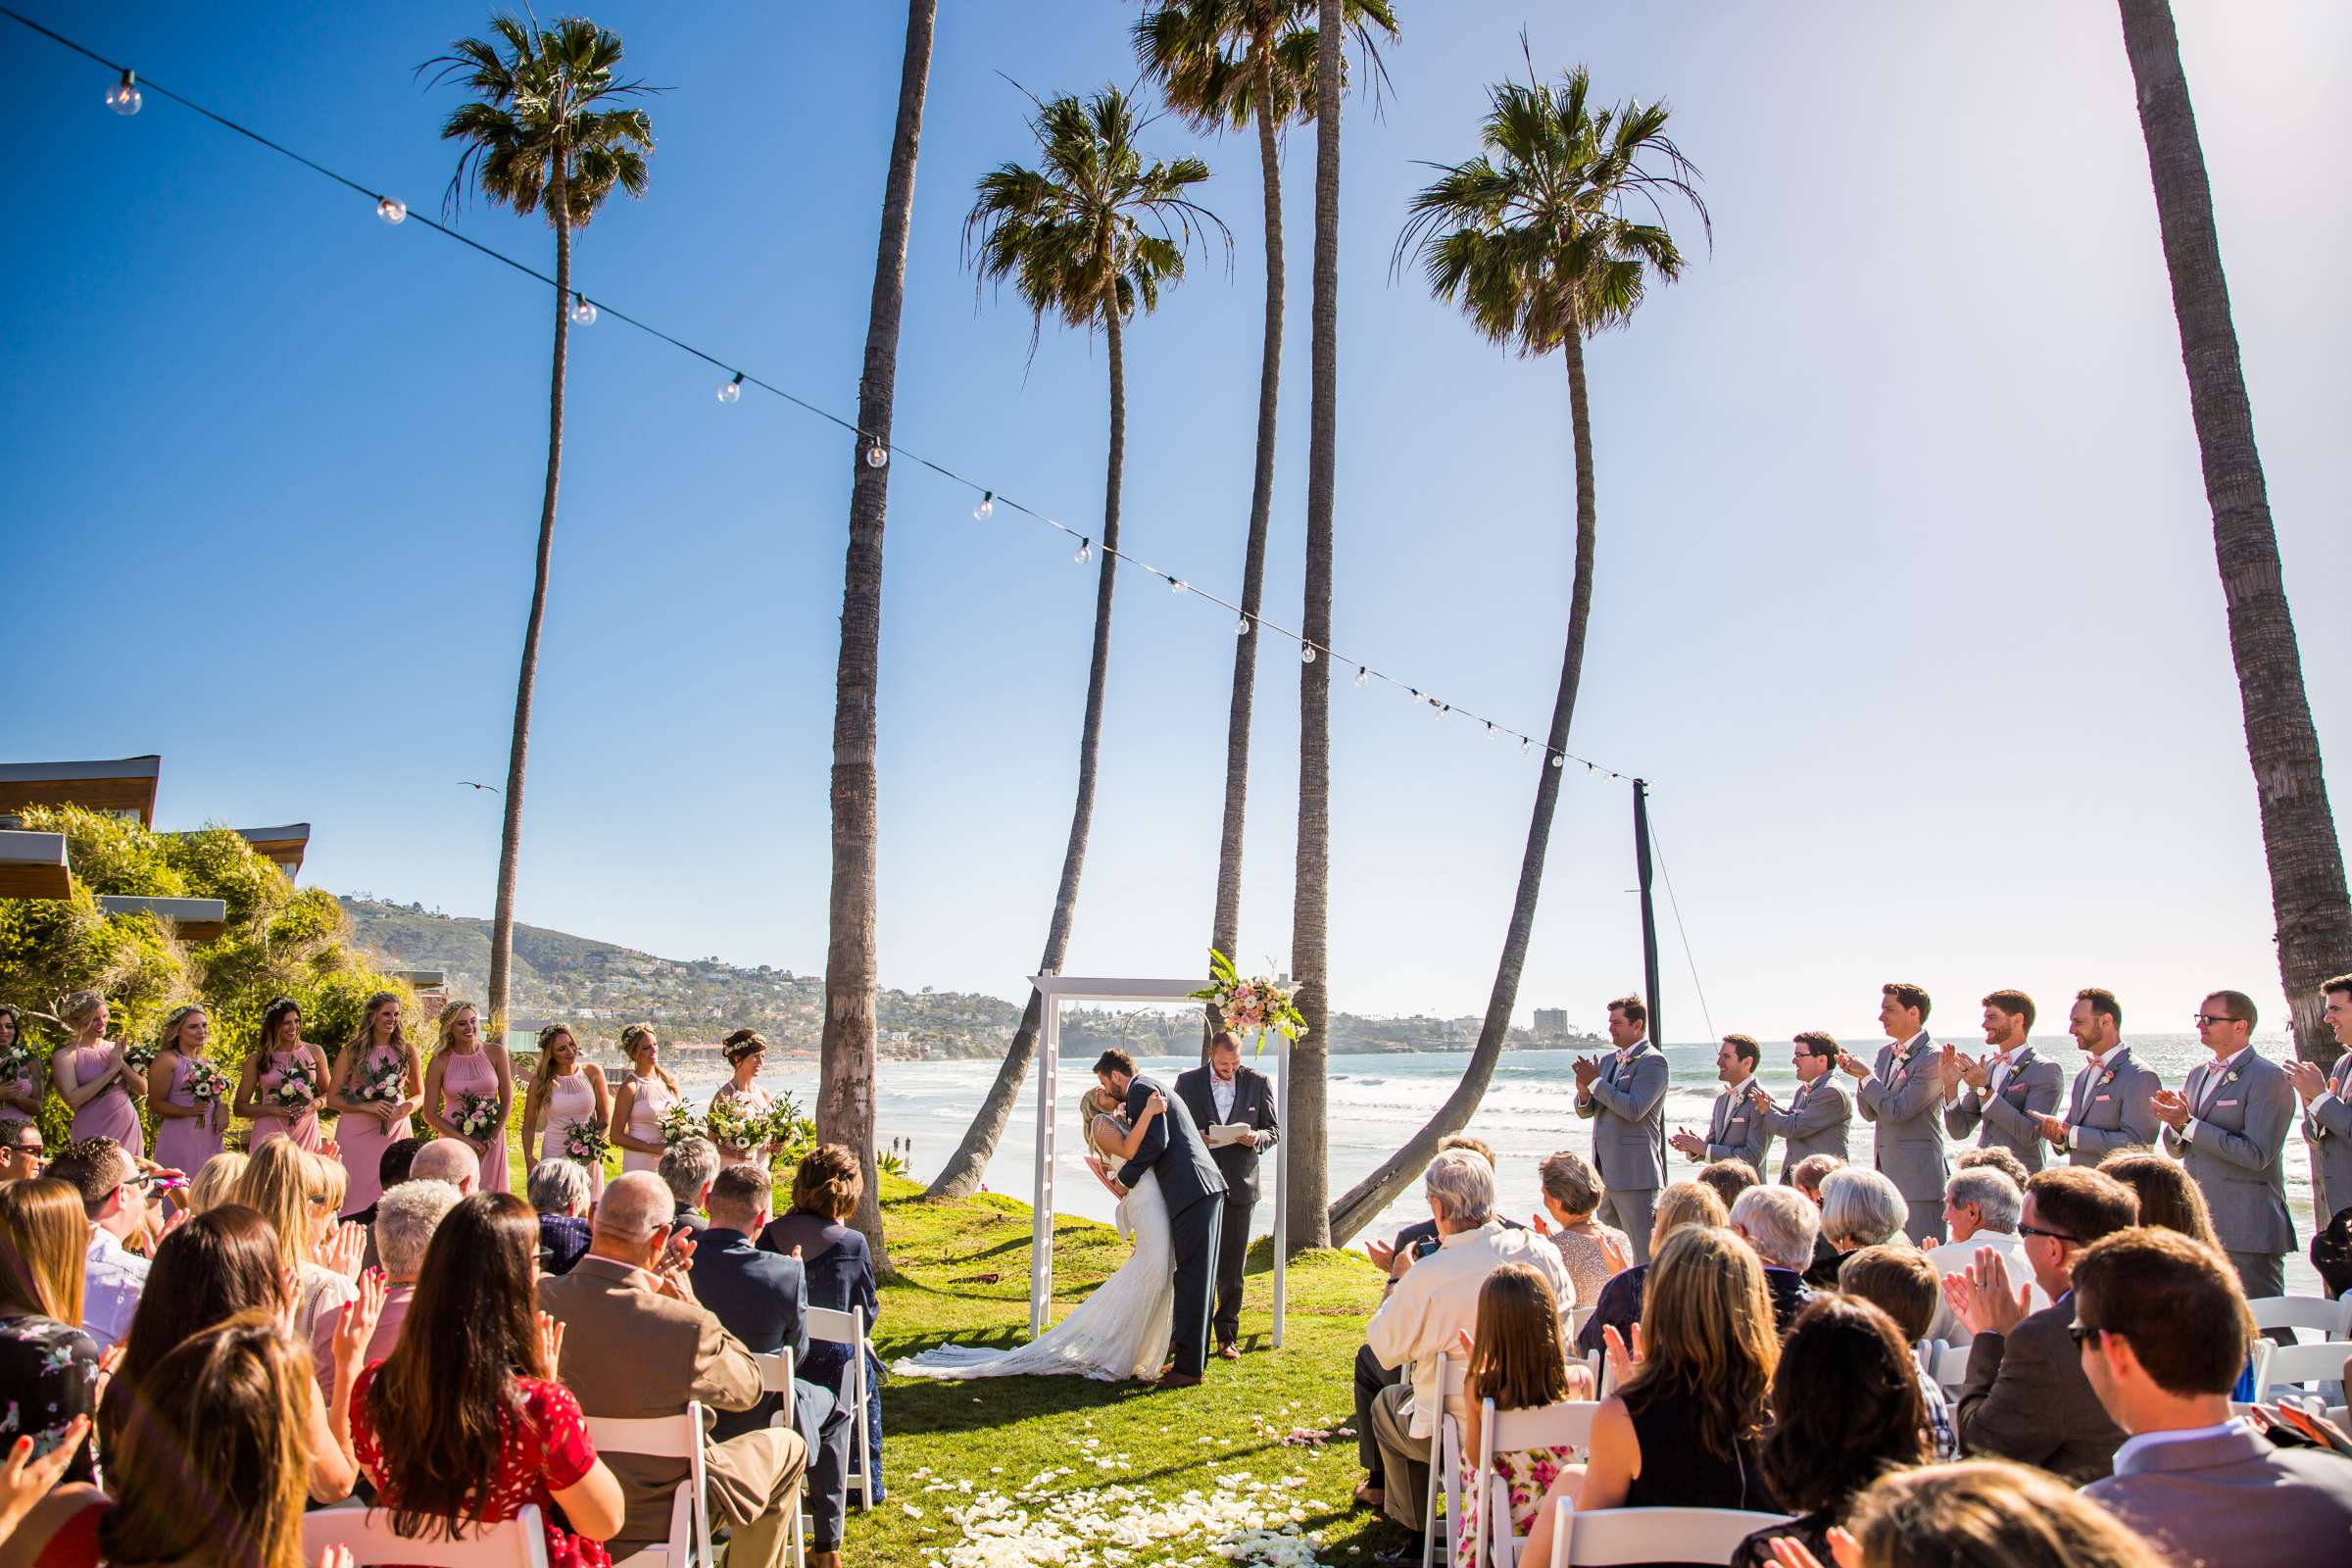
(637, 1344)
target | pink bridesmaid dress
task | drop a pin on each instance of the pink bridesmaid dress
(31, 1085)
(303, 1129)
(112, 1113)
(653, 1097)
(362, 1136)
(469, 1072)
(572, 1103)
(185, 1143)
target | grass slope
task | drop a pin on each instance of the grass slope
(963, 1275)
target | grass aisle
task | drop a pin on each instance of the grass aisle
(1067, 1471)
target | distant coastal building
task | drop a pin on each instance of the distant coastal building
(1552, 1024)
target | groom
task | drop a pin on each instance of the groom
(1194, 1192)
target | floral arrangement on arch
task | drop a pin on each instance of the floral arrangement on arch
(1251, 1005)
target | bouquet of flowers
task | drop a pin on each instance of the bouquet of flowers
(1252, 1006)
(20, 1060)
(297, 1087)
(141, 1057)
(679, 1124)
(207, 1085)
(584, 1143)
(730, 1126)
(477, 1117)
(785, 1129)
(386, 1083)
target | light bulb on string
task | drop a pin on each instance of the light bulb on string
(733, 390)
(582, 311)
(1441, 708)
(391, 208)
(877, 455)
(1177, 585)
(987, 506)
(1306, 653)
(1557, 760)
(1240, 627)
(123, 96)
(1362, 676)
(1524, 744)
(1085, 551)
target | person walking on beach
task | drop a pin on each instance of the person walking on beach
(2109, 1106)
(1624, 1097)
(1818, 1113)
(1222, 1094)
(2005, 1092)
(1903, 1092)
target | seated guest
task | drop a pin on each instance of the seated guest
(2026, 1398)
(1997, 1158)
(1434, 1305)
(2164, 1330)
(638, 1345)
(840, 1271)
(114, 1196)
(688, 1167)
(1779, 1226)
(406, 1217)
(463, 1420)
(1861, 1208)
(559, 1189)
(1845, 1411)
(1591, 1250)
(48, 1365)
(396, 1164)
(1620, 1304)
(23, 1151)
(762, 1300)
(1981, 1208)
(1899, 1281)
(216, 1181)
(1984, 1514)
(2169, 1196)
(300, 1193)
(1686, 1427)
(213, 1267)
(1806, 1177)
(1726, 1178)
(448, 1159)
(1519, 1359)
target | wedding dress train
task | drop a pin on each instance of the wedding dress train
(1121, 1331)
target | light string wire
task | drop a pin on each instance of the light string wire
(1675, 905)
(1365, 671)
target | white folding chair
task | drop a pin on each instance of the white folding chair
(1947, 1369)
(1608, 1536)
(2321, 1361)
(1565, 1425)
(516, 1543)
(2331, 1318)
(668, 1437)
(849, 1327)
(1444, 1460)
(1578, 1317)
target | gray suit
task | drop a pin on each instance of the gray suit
(2031, 1088)
(2238, 1127)
(2108, 1109)
(2236, 1499)
(2327, 1127)
(1815, 1122)
(1903, 1100)
(1628, 1142)
(1736, 1130)
(2026, 1399)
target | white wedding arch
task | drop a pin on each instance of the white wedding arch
(1052, 990)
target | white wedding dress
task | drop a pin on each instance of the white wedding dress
(1121, 1331)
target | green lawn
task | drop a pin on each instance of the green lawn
(1067, 1471)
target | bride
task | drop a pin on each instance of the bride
(1120, 1330)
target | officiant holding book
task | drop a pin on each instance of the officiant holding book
(1233, 1106)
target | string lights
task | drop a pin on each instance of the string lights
(125, 98)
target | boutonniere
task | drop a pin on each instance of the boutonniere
(2229, 1077)
(2106, 1078)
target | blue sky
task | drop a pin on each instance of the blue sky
(1905, 597)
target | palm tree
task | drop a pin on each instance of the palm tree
(1235, 63)
(550, 132)
(845, 1097)
(1533, 241)
(1089, 239)
(2305, 861)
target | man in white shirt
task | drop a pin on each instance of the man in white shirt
(1981, 1207)
(1432, 1308)
(113, 1195)
(2110, 1105)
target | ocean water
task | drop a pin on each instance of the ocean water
(1376, 1101)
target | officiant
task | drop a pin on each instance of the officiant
(1233, 1106)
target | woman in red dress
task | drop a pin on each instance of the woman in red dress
(463, 1420)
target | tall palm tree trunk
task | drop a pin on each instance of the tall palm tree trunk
(2305, 861)
(1365, 1200)
(1308, 1182)
(1225, 927)
(845, 1099)
(510, 838)
(961, 1174)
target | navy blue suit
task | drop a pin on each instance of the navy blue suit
(1194, 1192)
(762, 1300)
(840, 1268)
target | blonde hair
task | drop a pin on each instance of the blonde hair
(1708, 1335)
(448, 1019)
(1096, 1101)
(1687, 1204)
(543, 1071)
(168, 1037)
(78, 1007)
(296, 1191)
(363, 1039)
(1990, 1513)
(45, 1231)
(628, 1049)
(216, 1181)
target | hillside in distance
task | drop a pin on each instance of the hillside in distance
(601, 986)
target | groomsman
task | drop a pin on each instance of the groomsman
(1627, 1091)
(2110, 1105)
(2327, 1109)
(2229, 1126)
(2008, 1091)
(1222, 1092)
(1735, 1130)
(1903, 1092)
(1818, 1113)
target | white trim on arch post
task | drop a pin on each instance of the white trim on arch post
(1053, 989)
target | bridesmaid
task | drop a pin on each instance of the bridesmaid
(566, 1093)
(647, 1089)
(366, 1126)
(94, 1076)
(19, 1092)
(274, 1053)
(186, 1134)
(746, 1051)
(466, 1063)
